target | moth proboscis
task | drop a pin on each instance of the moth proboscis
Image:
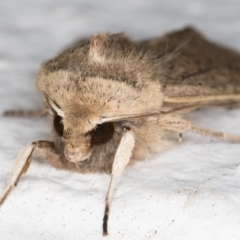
(113, 101)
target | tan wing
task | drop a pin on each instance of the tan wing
(195, 70)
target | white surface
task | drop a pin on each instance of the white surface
(190, 192)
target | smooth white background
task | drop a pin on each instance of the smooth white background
(189, 192)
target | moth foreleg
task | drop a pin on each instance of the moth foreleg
(20, 167)
(121, 159)
(23, 162)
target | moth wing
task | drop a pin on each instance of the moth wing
(195, 70)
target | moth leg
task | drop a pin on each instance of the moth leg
(20, 167)
(25, 113)
(121, 159)
(180, 137)
(181, 125)
(23, 161)
(215, 134)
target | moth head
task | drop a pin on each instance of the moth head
(79, 131)
(90, 85)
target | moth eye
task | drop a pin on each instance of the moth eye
(58, 125)
(102, 134)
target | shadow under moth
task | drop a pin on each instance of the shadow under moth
(113, 101)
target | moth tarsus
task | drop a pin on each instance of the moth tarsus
(6, 192)
(105, 220)
(113, 101)
(180, 137)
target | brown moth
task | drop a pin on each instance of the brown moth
(113, 101)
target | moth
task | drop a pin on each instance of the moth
(113, 101)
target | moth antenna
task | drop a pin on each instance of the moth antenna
(202, 98)
(25, 113)
(129, 116)
(121, 159)
(20, 167)
(55, 107)
(215, 134)
(180, 110)
(163, 111)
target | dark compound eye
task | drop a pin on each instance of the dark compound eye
(58, 125)
(102, 134)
